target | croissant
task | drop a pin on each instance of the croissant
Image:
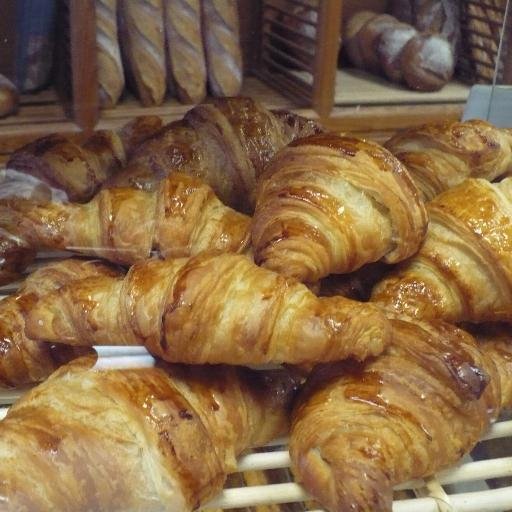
(210, 309)
(181, 217)
(495, 341)
(24, 361)
(463, 271)
(359, 429)
(330, 204)
(147, 439)
(226, 143)
(440, 156)
(65, 165)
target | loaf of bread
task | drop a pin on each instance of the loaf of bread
(221, 33)
(185, 52)
(433, 16)
(8, 97)
(143, 45)
(110, 67)
(379, 43)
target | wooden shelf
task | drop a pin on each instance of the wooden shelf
(129, 107)
(356, 87)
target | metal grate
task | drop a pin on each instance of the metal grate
(481, 482)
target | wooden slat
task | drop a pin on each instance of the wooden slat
(327, 49)
(83, 63)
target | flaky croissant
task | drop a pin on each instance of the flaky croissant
(440, 156)
(226, 143)
(330, 204)
(182, 217)
(495, 340)
(360, 429)
(77, 170)
(210, 309)
(24, 361)
(152, 439)
(463, 271)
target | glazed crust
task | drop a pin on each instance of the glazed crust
(182, 217)
(147, 439)
(440, 156)
(358, 430)
(77, 170)
(210, 309)
(330, 204)
(463, 271)
(24, 361)
(226, 143)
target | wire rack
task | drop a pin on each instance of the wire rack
(481, 482)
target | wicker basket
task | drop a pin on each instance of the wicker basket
(482, 23)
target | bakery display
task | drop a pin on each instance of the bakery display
(463, 270)
(440, 156)
(195, 311)
(144, 440)
(24, 361)
(380, 43)
(389, 391)
(330, 204)
(358, 430)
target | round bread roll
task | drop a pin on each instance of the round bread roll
(368, 38)
(350, 38)
(427, 62)
(8, 97)
(389, 49)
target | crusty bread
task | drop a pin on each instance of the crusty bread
(185, 50)
(222, 43)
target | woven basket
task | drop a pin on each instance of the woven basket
(482, 22)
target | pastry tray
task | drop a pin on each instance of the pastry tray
(481, 482)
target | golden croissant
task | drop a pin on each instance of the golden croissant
(182, 217)
(210, 309)
(359, 429)
(24, 361)
(440, 156)
(78, 170)
(330, 204)
(463, 271)
(227, 143)
(149, 439)
(495, 340)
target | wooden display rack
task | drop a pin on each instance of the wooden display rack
(311, 83)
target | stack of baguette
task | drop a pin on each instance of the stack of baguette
(373, 392)
(179, 46)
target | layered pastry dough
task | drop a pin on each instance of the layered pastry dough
(360, 429)
(210, 309)
(24, 361)
(463, 271)
(182, 217)
(227, 143)
(149, 439)
(330, 204)
(440, 156)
